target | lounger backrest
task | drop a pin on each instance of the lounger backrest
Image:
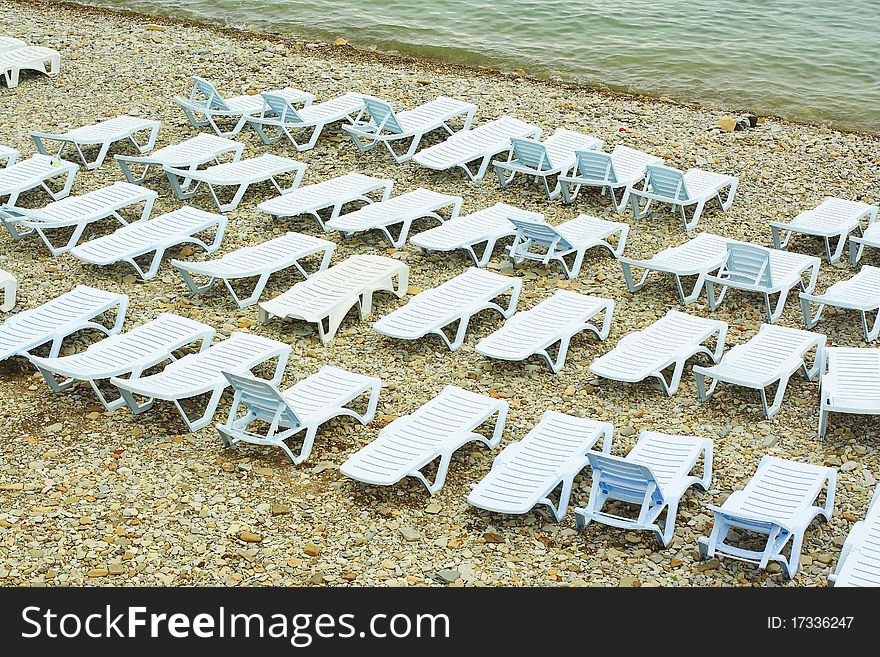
(280, 106)
(531, 153)
(213, 99)
(382, 115)
(629, 481)
(540, 232)
(747, 263)
(596, 165)
(666, 181)
(262, 399)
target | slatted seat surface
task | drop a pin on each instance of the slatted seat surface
(555, 449)
(195, 374)
(56, 318)
(432, 113)
(329, 387)
(480, 142)
(773, 352)
(335, 191)
(860, 291)
(8, 43)
(457, 298)
(86, 208)
(341, 284)
(831, 217)
(530, 331)
(251, 170)
(860, 565)
(410, 205)
(202, 148)
(779, 491)
(145, 236)
(272, 255)
(33, 172)
(466, 230)
(118, 354)
(414, 440)
(852, 381)
(110, 130)
(705, 252)
(640, 354)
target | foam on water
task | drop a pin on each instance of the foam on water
(813, 60)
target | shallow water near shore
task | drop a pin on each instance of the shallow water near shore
(804, 60)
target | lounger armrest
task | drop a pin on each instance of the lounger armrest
(507, 454)
(47, 135)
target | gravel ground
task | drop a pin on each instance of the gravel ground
(88, 497)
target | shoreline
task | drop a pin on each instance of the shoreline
(93, 497)
(329, 49)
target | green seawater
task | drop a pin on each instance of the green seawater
(809, 60)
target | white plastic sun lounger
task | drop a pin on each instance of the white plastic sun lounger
(259, 261)
(833, 217)
(76, 213)
(58, 318)
(104, 133)
(387, 127)
(11, 43)
(206, 102)
(431, 433)
(669, 342)
(753, 268)
(697, 257)
(29, 58)
(326, 297)
(566, 243)
(655, 475)
(859, 563)
(305, 406)
(555, 156)
(9, 286)
(623, 168)
(861, 293)
(472, 150)
(280, 117)
(398, 211)
(188, 154)
(467, 232)
(779, 501)
(333, 193)
(155, 236)
(34, 172)
(870, 238)
(546, 460)
(241, 174)
(128, 353)
(681, 189)
(849, 382)
(553, 322)
(454, 302)
(198, 374)
(8, 155)
(773, 355)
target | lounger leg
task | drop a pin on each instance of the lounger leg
(153, 269)
(205, 418)
(274, 139)
(53, 383)
(773, 315)
(823, 422)
(731, 193)
(712, 300)
(811, 320)
(181, 191)
(10, 286)
(638, 212)
(871, 335)
(632, 286)
(9, 220)
(64, 192)
(503, 181)
(129, 174)
(704, 393)
(780, 242)
(620, 206)
(770, 411)
(855, 252)
(132, 403)
(698, 211)
(193, 286)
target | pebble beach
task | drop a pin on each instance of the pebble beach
(89, 497)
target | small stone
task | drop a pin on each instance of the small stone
(280, 510)
(54, 428)
(116, 569)
(849, 466)
(294, 563)
(156, 28)
(824, 558)
(16, 486)
(493, 537)
(341, 42)
(94, 415)
(728, 124)
(312, 550)
(323, 466)
(248, 537)
(706, 566)
(433, 508)
(848, 516)
(633, 538)
(448, 576)
(349, 577)
(410, 534)
(98, 572)
(675, 563)
(316, 578)
(129, 512)
(806, 560)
